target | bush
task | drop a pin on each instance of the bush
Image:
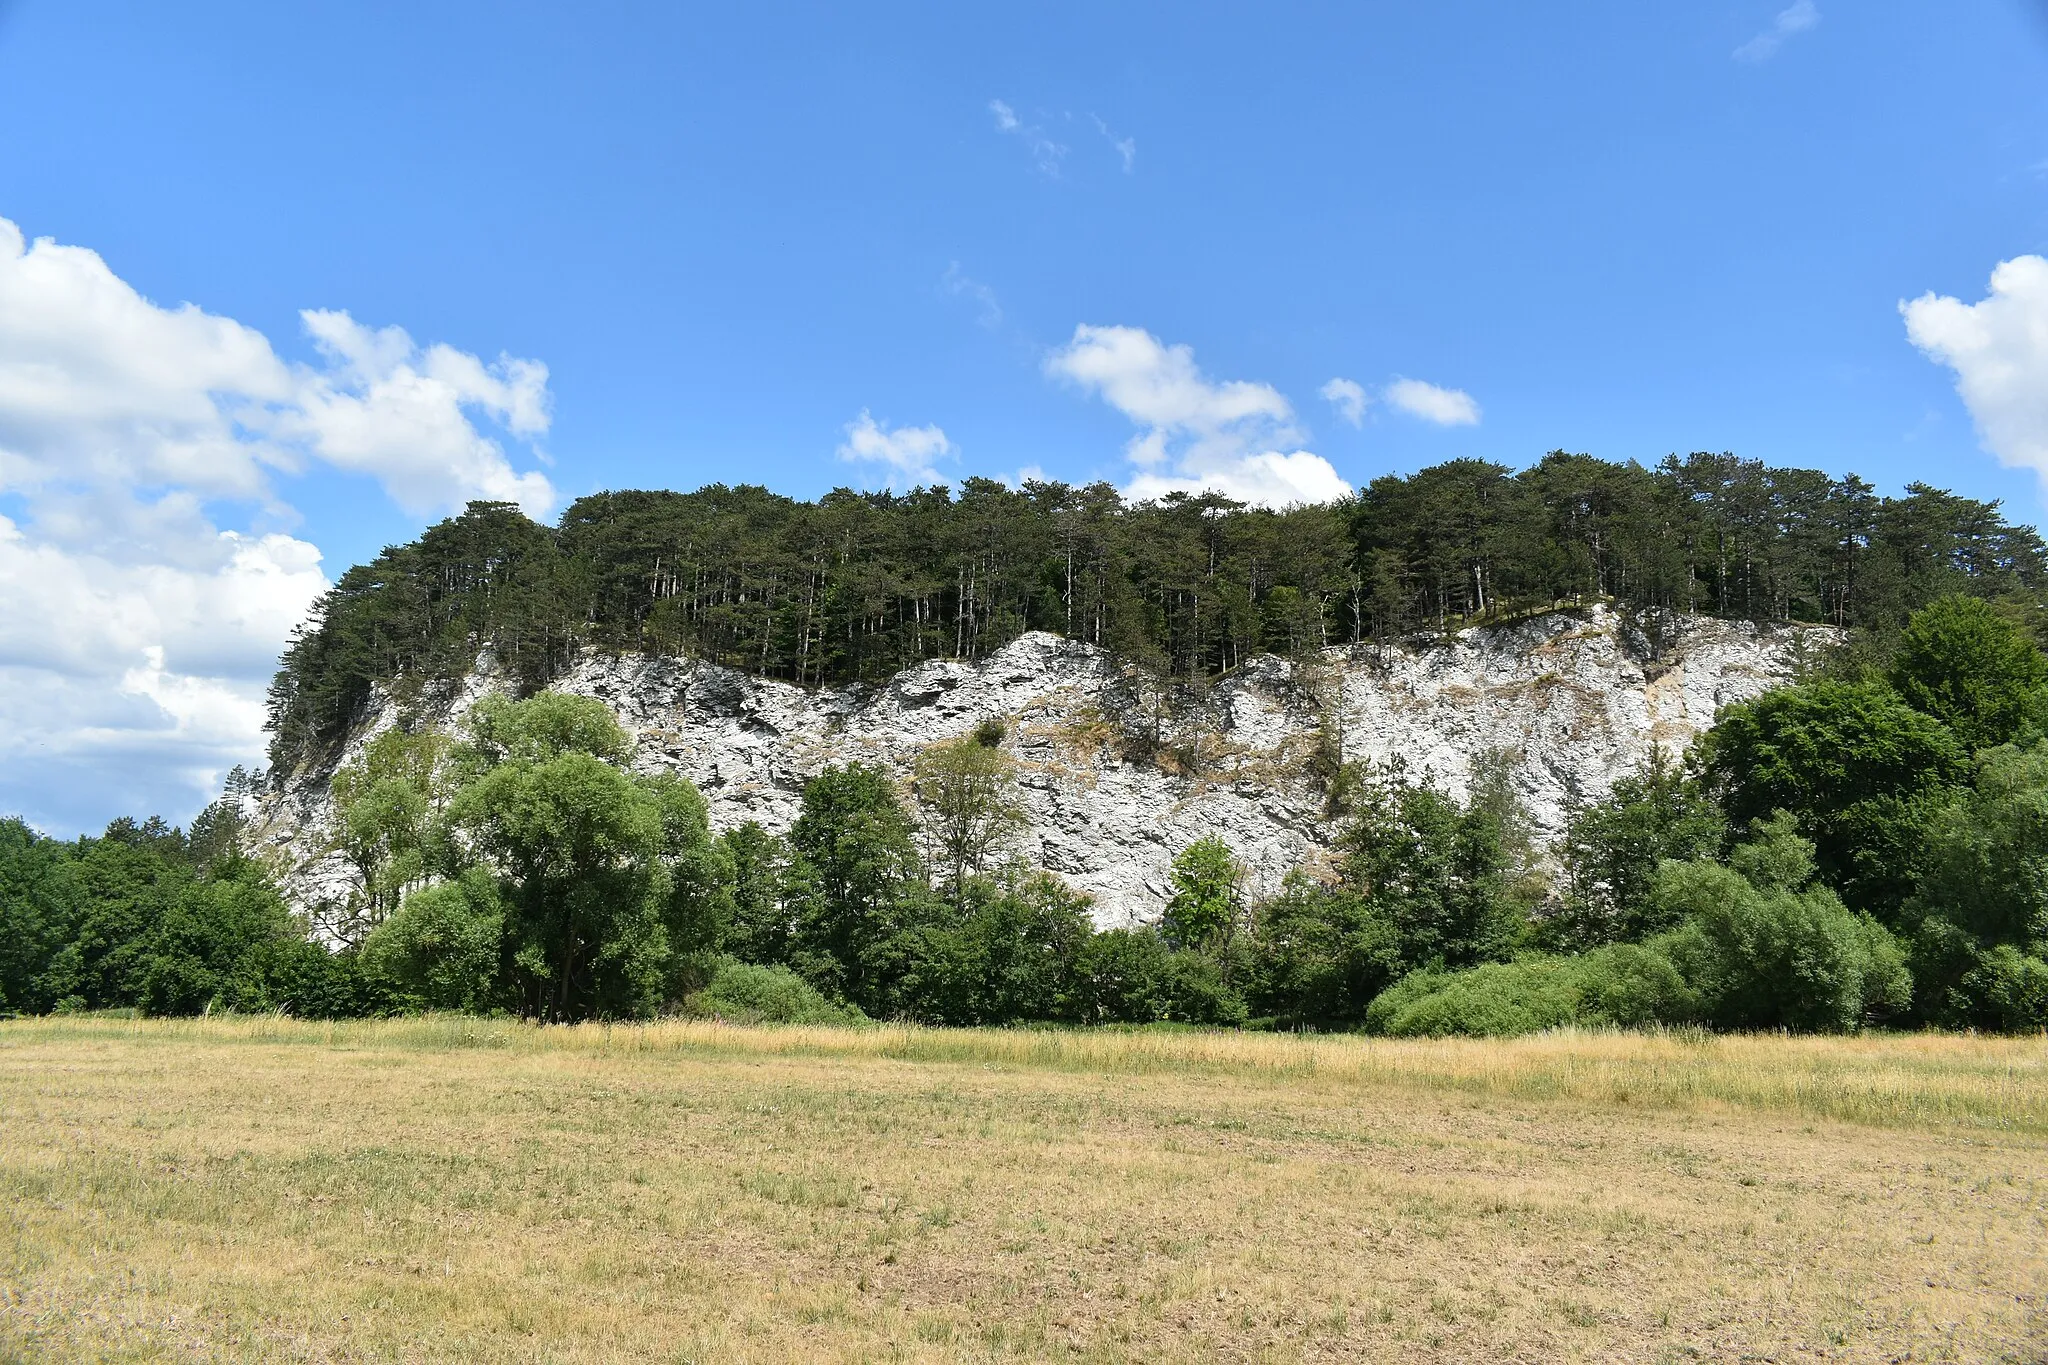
(1496, 1000)
(1765, 949)
(2011, 987)
(1622, 985)
(1132, 976)
(742, 993)
(441, 949)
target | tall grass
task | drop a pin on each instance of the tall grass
(1900, 1080)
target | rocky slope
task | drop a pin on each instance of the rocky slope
(1114, 780)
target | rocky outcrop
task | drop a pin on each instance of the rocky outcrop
(1116, 779)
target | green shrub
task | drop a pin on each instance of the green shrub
(1496, 1000)
(1629, 985)
(742, 993)
(441, 949)
(2012, 988)
(1621, 985)
(1766, 949)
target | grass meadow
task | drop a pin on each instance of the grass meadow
(450, 1189)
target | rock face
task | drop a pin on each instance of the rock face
(1116, 779)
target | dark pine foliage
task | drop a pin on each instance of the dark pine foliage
(857, 586)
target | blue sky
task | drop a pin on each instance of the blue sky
(728, 233)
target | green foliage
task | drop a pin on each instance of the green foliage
(1320, 954)
(443, 947)
(1434, 871)
(760, 928)
(389, 802)
(1983, 891)
(1013, 948)
(575, 842)
(41, 900)
(744, 993)
(130, 920)
(1962, 662)
(1765, 948)
(963, 793)
(2008, 990)
(1133, 976)
(1858, 768)
(854, 883)
(1611, 850)
(1621, 985)
(1205, 910)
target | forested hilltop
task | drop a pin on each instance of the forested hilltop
(858, 586)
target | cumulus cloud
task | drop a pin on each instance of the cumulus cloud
(905, 455)
(1046, 154)
(100, 386)
(1194, 433)
(1444, 407)
(141, 632)
(1998, 348)
(387, 408)
(1349, 398)
(1796, 18)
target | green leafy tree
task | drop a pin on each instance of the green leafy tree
(1984, 891)
(582, 852)
(443, 948)
(1858, 768)
(963, 790)
(389, 801)
(40, 904)
(1962, 662)
(1611, 851)
(1015, 949)
(1434, 871)
(855, 883)
(1319, 956)
(1205, 910)
(1134, 976)
(761, 928)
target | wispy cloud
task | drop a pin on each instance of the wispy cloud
(905, 454)
(1126, 147)
(1046, 154)
(1349, 398)
(958, 284)
(1796, 18)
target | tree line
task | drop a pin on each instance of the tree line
(858, 586)
(1866, 846)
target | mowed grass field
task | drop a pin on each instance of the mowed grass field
(457, 1190)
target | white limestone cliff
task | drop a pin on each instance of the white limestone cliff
(1575, 699)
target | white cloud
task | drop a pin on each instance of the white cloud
(1445, 407)
(140, 633)
(1126, 147)
(387, 408)
(988, 309)
(1349, 398)
(1046, 154)
(1194, 433)
(132, 686)
(99, 386)
(1794, 19)
(906, 454)
(1998, 348)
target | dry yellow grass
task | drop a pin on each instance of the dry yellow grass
(449, 1189)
